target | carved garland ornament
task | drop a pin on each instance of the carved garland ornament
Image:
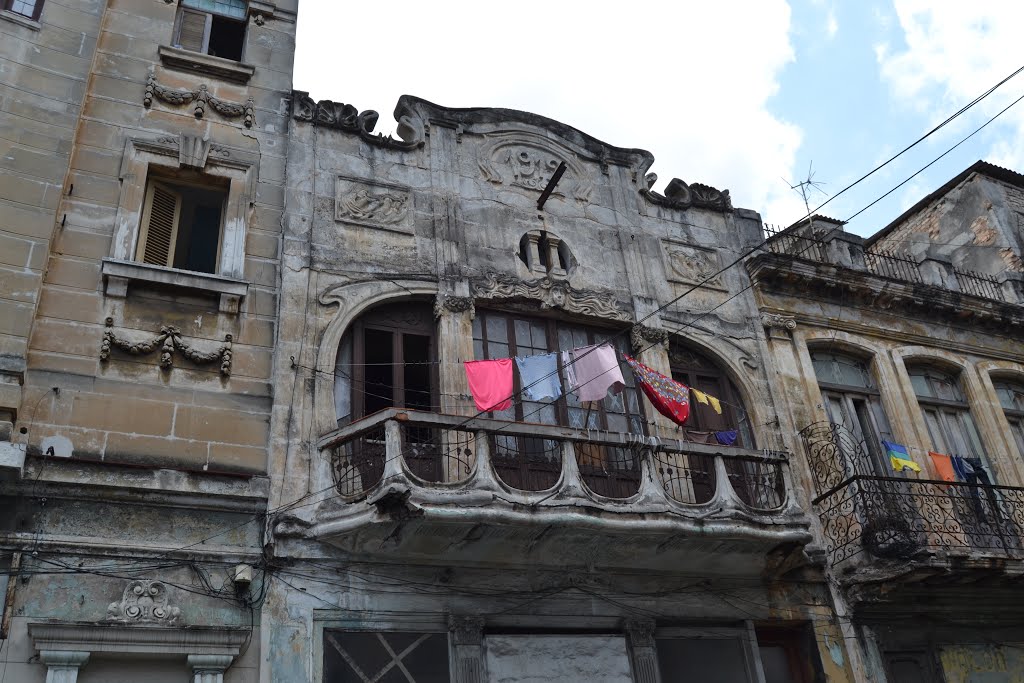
(347, 118)
(144, 602)
(202, 97)
(551, 294)
(168, 341)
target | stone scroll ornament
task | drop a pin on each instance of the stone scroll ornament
(167, 341)
(346, 117)
(200, 98)
(144, 602)
(679, 195)
(551, 293)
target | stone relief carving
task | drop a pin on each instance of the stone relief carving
(679, 195)
(373, 204)
(690, 264)
(551, 294)
(520, 160)
(783, 322)
(643, 337)
(466, 630)
(144, 602)
(453, 304)
(201, 98)
(347, 118)
(167, 341)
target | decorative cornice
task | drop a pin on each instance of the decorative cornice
(347, 118)
(643, 337)
(144, 602)
(551, 293)
(679, 195)
(453, 304)
(168, 341)
(123, 639)
(201, 97)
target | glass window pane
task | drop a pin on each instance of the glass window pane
(775, 663)
(497, 330)
(704, 660)
(24, 7)
(228, 8)
(354, 657)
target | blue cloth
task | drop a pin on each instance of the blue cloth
(963, 469)
(727, 438)
(538, 376)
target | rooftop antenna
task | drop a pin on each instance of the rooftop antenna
(804, 188)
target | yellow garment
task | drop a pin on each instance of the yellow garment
(900, 464)
(715, 404)
(700, 396)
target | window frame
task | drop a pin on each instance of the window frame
(1014, 415)
(174, 184)
(37, 10)
(175, 41)
(938, 413)
(690, 374)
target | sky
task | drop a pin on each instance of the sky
(749, 95)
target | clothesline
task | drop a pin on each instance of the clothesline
(950, 468)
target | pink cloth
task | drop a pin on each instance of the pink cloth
(593, 371)
(490, 382)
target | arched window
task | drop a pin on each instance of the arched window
(852, 400)
(699, 372)
(387, 359)
(1011, 397)
(534, 463)
(944, 406)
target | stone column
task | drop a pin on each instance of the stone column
(455, 345)
(533, 255)
(209, 668)
(468, 637)
(642, 650)
(63, 665)
(554, 265)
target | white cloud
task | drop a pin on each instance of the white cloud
(688, 81)
(954, 51)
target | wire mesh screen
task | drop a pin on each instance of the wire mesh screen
(527, 463)
(358, 464)
(609, 471)
(686, 477)
(758, 483)
(437, 455)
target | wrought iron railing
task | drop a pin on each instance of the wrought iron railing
(892, 265)
(896, 518)
(802, 243)
(978, 284)
(447, 450)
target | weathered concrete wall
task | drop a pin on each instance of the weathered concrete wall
(534, 659)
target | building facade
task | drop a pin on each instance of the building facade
(238, 443)
(140, 208)
(913, 337)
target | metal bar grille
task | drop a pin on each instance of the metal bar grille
(978, 284)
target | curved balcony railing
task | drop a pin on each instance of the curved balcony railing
(445, 452)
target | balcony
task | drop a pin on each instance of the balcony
(878, 527)
(432, 486)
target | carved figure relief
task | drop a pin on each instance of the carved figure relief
(144, 602)
(167, 341)
(679, 195)
(690, 264)
(527, 160)
(551, 294)
(376, 205)
(346, 117)
(201, 97)
(453, 304)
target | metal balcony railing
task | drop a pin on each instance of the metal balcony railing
(439, 451)
(896, 518)
(978, 284)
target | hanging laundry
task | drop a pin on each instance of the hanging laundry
(538, 376)
(669, 397)
(899, 457)
(963, 469)
(700, 396)
(716, 404)
(695, 436)
(943, 465)
(594, 370)
(490, 382)
(727, 438)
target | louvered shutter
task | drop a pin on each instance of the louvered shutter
(193, 30)
(159, 226)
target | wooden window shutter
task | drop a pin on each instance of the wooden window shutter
(193, 30)
(159, 226)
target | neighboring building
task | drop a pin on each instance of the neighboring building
(913, 336)
(141, 195)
